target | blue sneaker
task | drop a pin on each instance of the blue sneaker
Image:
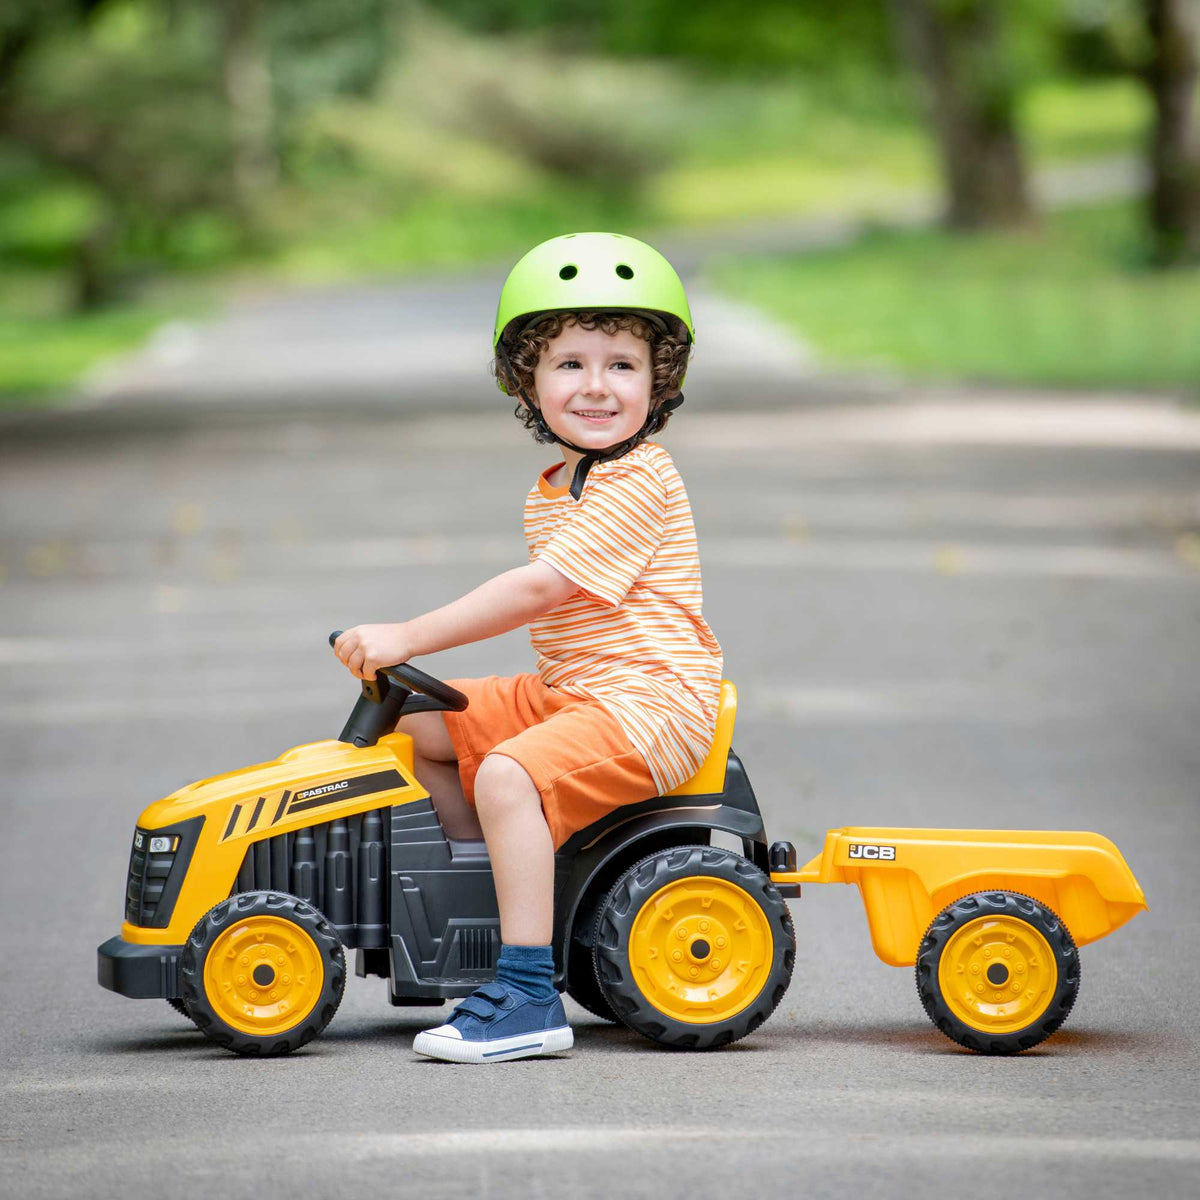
(495, 1023)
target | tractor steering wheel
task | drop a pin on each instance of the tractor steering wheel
(408, 676)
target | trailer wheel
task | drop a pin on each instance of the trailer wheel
(997, 972)
(694, 947)
(262, 973)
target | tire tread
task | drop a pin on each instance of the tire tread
(968, 908)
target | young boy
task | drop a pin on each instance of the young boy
(592, 335)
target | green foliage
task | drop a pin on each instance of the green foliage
(324, 50)
(725, 36)
(1073, 305)
(1105, 37)
(462, 120)
(130, 107)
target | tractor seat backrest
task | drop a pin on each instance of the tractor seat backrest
(710, 778)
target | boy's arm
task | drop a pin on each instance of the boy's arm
(502, 603)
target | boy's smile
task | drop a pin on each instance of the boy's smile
(593, 387)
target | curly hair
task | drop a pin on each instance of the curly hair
(669, 350)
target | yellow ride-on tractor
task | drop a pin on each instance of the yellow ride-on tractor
(245, 890)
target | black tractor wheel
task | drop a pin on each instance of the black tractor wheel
(262, 973)
(178, 1005)
(582, 985)
(694, 947)
(997, 972)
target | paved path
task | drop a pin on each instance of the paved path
(935, 616)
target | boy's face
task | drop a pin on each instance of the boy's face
(594, 387)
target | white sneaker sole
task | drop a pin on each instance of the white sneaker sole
(524, 1045)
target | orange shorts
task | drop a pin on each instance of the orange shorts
(574, 750)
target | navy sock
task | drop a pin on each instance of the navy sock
(528, 969)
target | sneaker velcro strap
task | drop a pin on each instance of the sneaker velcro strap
(476, 1005)
(495, 992)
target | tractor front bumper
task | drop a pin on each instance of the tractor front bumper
(141, 972)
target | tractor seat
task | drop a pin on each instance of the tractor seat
(709, 780)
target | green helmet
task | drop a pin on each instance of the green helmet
(591, 271)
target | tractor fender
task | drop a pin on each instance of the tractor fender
(595, 867)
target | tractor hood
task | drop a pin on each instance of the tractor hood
(195, 840)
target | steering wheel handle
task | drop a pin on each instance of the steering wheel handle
(415, 680)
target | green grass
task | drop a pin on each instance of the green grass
(782, 151)
(437, 233)
(1074, 304)
(44, 349)
(40, 357)
(1086, 119)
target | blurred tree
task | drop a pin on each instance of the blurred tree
(554, 111)
(1103, 37)
(125, 102)
(960, 48)
(249, 93)
(825, 39)
(720, 35)
(1174, 78)
(24, 22)
(173, 116)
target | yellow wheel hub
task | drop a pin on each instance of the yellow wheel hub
(700, 950)
(997, 974)
(263, 975)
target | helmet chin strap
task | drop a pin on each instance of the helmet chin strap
(590, 456)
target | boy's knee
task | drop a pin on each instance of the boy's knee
(431, 738)
(501, 782)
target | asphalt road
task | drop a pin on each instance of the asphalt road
(946, 611)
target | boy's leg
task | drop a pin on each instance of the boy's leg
(520, 1014)
(437, 768)
(521, 850)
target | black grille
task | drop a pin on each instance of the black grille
(154, 879)
(338, 867)
(148, 874)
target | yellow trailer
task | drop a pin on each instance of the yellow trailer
(991, 918)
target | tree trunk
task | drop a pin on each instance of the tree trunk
(93, 285)
(957, 47)
(1174, 77)
(251, 103)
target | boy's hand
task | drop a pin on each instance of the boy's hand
(366, 648)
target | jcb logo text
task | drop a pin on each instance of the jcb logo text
(883, 853)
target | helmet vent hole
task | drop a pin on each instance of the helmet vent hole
(624, 271)
(568, 272)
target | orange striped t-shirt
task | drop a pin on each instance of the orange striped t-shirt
(632, 637)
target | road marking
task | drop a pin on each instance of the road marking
(816, 1144)
(278, 565)
(1072, 425)
(253, 702)
(903, 702)
(802, 706)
